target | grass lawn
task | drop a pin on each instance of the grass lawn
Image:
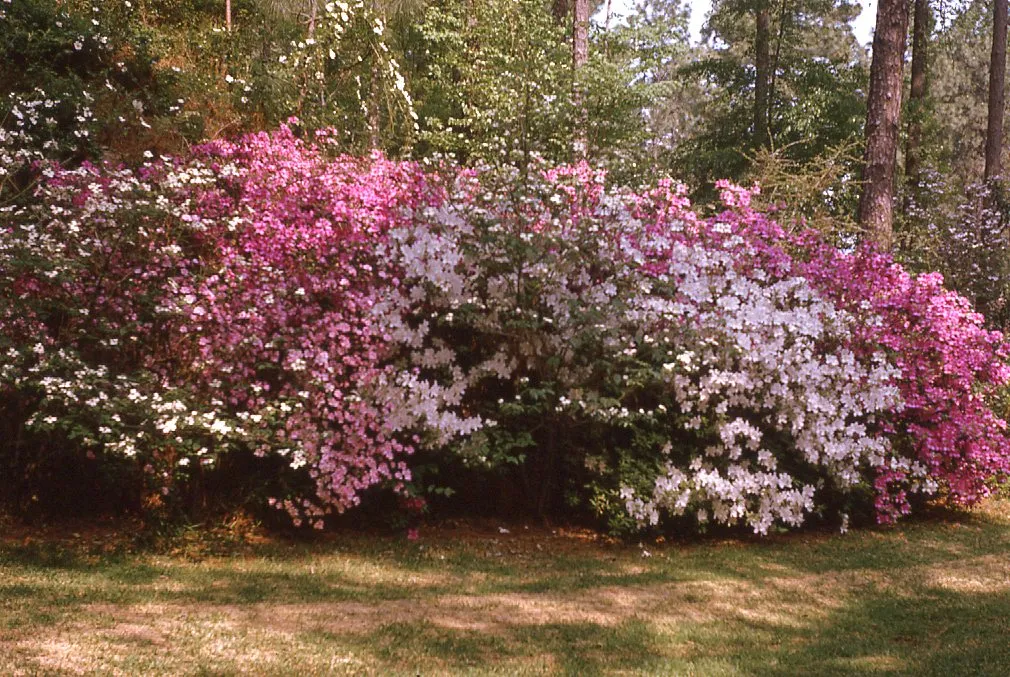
(926, 598)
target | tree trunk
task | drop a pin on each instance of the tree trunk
(997, 92)
(580, 34)
(227, 15)
(762, 68)
(921, 27)
(773, 76)
(883, 115)
(580, 56)
(562, 10)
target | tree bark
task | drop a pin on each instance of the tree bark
(921, 26)
(562, 10)
(997, 92)
(580, 56)
(580, 33)
(883, 115)
(773, 76)
(227, 15)
(762, 67)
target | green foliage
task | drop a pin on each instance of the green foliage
(817, 88)
(69, 70)
(958, 91)
(487, 81)
(496, 84)
(639, 109)
(345, 72)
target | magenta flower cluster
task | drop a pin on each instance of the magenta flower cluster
(952, 369)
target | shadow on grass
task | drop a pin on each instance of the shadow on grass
(882, 617)
(938, 632)
(290, 575)
(565, 648)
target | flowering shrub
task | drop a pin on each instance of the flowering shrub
(510, 304)
(588, 347)
(951, 369)
(768, 376)
(278, 318)
(189, 308)
(574, 309)
(81, 272)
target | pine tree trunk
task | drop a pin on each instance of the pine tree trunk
(997, 92)
(773, 76)
(917, 96)
(227, 15)
(762, 67)
(580, 56)
(883, 115)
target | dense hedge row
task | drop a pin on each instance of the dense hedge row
(310, 326)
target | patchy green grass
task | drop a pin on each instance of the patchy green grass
(926, 598)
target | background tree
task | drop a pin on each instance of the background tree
(882, 120)
(955, 222)
(495, 83)
(580, 57)
(762, 68)
(642, 107)
(997, 97)
(957, 118)
(800, 78)
(922, 25)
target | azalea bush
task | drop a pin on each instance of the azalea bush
(953, 370)
(193, 308)
(525, 338)
(277, 314)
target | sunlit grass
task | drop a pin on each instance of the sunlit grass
(928, 597)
